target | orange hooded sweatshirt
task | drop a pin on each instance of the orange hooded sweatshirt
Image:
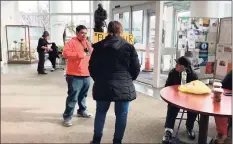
(77, 61)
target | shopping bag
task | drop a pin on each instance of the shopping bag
(195, 87)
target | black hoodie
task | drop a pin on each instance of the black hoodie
(174, 77)
(113, 65)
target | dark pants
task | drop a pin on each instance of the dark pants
(172, 113)
(53, 61)
(40, 67)
(77, 92)
(121, 112)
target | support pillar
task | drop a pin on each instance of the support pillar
(158, 43)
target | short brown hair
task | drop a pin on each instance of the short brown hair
(115, 27)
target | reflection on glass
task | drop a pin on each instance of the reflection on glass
(33, 6)
(35, 20)
(60, 6)
(58, 24)
(123, 18)
(28, 6)
(137, 26)
(152, 32)
(81, 6)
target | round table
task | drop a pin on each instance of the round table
(202, 104)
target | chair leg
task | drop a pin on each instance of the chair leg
(181, 118)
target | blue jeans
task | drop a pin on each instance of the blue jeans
(77, 92)
(121, 112)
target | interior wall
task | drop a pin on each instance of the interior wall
(9, 16)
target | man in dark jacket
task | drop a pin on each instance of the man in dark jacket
(41, 48)
(174, 78)
(53, 55)
(114, 64)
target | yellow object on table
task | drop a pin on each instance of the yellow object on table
(195, 87)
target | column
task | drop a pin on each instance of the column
(158, 43)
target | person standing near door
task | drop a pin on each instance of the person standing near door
(77, 52)
(41, 48)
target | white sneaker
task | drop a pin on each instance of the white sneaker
(67, 123)
(52, 69)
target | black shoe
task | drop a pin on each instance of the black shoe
(42, 73)
(96, 140)
(191, 134)
(167, 138)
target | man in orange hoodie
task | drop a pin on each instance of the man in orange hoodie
(77, 52)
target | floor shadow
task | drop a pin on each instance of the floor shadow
(17, 115)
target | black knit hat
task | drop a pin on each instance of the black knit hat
(46, 33)
(183, 61)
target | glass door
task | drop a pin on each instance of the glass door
(123, 18)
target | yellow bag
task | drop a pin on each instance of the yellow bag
(195, 87)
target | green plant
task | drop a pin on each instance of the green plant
(60, 48)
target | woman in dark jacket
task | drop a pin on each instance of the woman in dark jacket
(42, 46)
(114, 64)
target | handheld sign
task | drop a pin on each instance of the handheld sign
(100, 36)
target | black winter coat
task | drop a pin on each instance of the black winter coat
(41, 42)
(113, 65)
(174, 77)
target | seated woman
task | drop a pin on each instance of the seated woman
(222, 122)
(174, 78)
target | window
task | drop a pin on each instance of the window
(33, 6)
(58, 24)
(60, 6)
(43, 6)
(137, 26)
(35, 20)
(28, 6)
(83, 20)
(81, 6)
(123, 18)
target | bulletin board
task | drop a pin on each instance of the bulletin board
(224, 49)
(198, 38)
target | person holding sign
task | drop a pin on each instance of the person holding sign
(77, 52)
(114, 64)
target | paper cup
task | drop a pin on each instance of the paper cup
(218, 94)
(217, 85)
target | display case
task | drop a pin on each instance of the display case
(22, 43)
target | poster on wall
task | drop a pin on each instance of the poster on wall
(203, 53)
(221, 68)
(224, 52)
(209, 67)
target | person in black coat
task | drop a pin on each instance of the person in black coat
(41, 48)
(113, 65)
(53, 54)
(174, 78)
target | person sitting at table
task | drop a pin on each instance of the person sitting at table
(174, 78)
(222, 122)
